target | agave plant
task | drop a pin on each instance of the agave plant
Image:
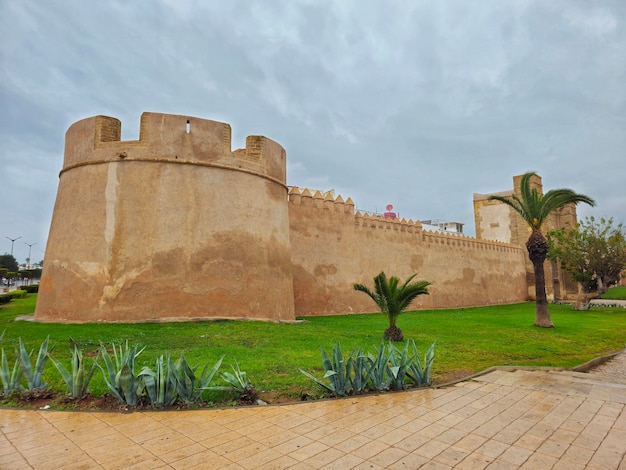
(120, 376)
(34, 373)
(79, 377)
(378, 369)
(159, 384)
(338, 372)
(419, 372)
(10, 378)
(399, 364)
(361, 372)
(189, 386)
(240, 383)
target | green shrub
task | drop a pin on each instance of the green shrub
(15, 294)
(32, 289)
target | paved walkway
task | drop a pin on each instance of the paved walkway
(506, 419)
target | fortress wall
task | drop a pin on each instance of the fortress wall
(332, 248)
(172, 225)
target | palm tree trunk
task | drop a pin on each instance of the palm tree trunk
(537, 246)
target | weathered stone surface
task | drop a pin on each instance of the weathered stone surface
(176, 225)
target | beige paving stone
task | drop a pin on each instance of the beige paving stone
(530, 442)
(352, 443)
(346, 461)
(432, 430)
(553, 448)
(370, 449)
(231, 446)
(434, 465)
(475, 461)
(471, 442)
(451, 436)
(409, 462)
(412, 442)
(605, 459)
(282, 462)
(452, 456)
(220, 439)
(14, 460)
(539, 462)
(181, 453)
(368, 466)
(577, 454)
(432, 448)
(567, 465)
(492, 448)
(498, 465)
(84, 464)
(307, 451)
(511, 433)
(614, 442)
(515, 455)
(388, 456)
(258, 459)
(206, 459)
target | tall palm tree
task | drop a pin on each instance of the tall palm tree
(534, 208)
(393, 300)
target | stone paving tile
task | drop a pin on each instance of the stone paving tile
(505, 419)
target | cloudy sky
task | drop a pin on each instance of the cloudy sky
(415, 103)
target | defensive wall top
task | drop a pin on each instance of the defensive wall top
(317, 200)
(172, 138)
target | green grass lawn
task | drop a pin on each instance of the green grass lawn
(615, 293)
(468, 340)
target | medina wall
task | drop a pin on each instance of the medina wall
(177, 226)
(333, 247)
(174, 225)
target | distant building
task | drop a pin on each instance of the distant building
(442, 226)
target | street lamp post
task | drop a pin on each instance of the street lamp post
(12, 242)
(30, 245)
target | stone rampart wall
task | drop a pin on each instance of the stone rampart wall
(333, 247)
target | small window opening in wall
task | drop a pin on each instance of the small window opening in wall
(188, 128)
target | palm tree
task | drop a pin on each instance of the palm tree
(393, 300)
(534, 208)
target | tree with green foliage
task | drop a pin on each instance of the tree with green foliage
(393, 300)
(594, 253)
(535, 208)
(9, 262)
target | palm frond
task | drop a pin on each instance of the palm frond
(535, 208)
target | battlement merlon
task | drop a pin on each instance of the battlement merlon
(171, 138)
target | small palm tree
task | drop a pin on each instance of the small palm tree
(534, 208)
(393, 300)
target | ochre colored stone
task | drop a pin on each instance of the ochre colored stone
(177, 226)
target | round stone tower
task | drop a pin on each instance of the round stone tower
(172, 226)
